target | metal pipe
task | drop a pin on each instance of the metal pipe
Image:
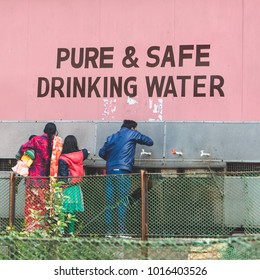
(12, 200)
(144, 192)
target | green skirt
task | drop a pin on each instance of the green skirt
(73, 201)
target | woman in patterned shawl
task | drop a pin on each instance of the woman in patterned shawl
(37, 188)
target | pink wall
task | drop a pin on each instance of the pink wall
(223, 33)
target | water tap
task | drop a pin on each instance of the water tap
(145, 153)
(203, 154)
(174, 152)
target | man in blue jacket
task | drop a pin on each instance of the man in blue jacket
(119, 152)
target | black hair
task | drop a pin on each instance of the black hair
(129, 124)
(70, 145)
(50, 129)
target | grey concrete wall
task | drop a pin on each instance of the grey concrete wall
(222, 141)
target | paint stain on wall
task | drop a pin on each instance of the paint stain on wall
(131, 101)
(109, 108)
(157, 109)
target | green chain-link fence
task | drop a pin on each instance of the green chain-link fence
(168, 216)
(82, 248)
(207, 204)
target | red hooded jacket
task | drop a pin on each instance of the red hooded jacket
(73, 167)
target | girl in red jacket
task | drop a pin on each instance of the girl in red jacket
(70, 167)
